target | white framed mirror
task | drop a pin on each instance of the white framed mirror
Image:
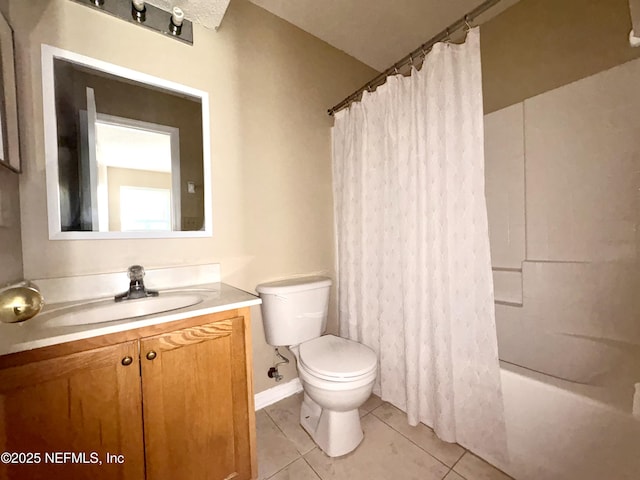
(127, 154)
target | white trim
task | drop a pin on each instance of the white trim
(277, 393)
(48, 54)
(174, 142)
(50, 140)
(206, 160)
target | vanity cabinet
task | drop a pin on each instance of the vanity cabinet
(170, 401)
(196, 412)
(84, 402)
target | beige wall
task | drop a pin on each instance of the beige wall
(566, 162)
(10, 240)
(269, 84)
(539, 45)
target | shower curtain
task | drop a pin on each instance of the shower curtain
(414, 268)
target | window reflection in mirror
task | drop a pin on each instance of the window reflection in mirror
(129, 154)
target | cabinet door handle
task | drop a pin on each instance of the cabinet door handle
(126, 361)
(151, 355)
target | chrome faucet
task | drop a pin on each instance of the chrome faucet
(136, 285)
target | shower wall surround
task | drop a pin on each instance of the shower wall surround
(567, 162)
(505, 192)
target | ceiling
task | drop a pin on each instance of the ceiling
(208, 13)
(376, 32)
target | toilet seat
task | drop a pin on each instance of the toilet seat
(337, 359)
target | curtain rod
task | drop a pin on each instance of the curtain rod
(421, 51)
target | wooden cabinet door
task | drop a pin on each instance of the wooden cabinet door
(197, 418)
(87, 404)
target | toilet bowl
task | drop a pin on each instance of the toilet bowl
(337, 377)
(337, 374)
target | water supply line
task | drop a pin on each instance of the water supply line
(273, 371)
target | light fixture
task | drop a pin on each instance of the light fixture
(177, 18)
(138, 11)
(145, 14)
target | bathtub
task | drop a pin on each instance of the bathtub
(569, 415)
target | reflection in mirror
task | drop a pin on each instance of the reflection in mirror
(128, 156)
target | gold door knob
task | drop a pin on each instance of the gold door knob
(151, 355)
(126, 361)
(20, 302)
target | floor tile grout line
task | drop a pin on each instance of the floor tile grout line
(301, 455)
(282, 431)
(287, 436)
(482, 459)
(311, 466)
(278, 427)
(287, 465)
(458, 461)
(452, 470)
(288, 439)
(369, 411)
(404, 436)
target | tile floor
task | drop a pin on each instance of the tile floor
(391, 449)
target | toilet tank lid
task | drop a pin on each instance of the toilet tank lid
(291, 285)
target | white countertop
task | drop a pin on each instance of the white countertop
(18, 337)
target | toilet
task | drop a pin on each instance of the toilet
(337, 374)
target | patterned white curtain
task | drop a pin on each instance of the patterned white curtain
(414, 268)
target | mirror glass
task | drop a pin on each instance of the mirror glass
(127, 153)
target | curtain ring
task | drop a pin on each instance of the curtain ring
(395, 70)
(411, 60)
(467, 23)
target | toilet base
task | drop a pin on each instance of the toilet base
(336, 433)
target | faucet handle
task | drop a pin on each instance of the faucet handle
(136, 272)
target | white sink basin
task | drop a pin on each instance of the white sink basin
(110, 311)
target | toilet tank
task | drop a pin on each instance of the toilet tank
(294, 310)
